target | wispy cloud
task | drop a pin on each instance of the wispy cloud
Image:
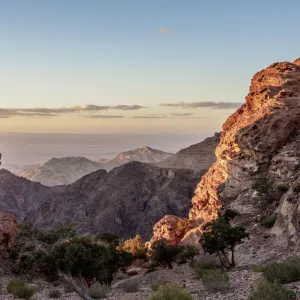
(103, 117)
(54, 112)
(215, 105)
(164, 30)
(182, 114)
(151, 116)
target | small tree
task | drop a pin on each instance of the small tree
(163, 253)
(89, 262)
(136, 247)
(220, 236)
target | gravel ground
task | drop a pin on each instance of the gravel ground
(240, 286)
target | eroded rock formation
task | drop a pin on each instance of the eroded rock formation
(8, 228)
(260, 140)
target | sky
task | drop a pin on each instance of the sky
(116, 66)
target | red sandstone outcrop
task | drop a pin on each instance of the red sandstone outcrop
(8, 228)
(251, 139)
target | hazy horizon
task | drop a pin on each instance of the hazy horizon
(32, 148)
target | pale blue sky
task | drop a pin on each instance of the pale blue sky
(111, 52)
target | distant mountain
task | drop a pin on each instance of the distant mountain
(66, 170)
(128, 200)
(18, 195)
(196, 157)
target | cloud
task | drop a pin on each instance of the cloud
(215, 105)
(164, 30)
(182, 114)
(102, 117)
(127, 107)
(152, 116)
(54, 112)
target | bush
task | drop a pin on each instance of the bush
(283, 272)
(98, 291)
(158, 283)
(19, 289)
(136, 247)
(171, 292)
(258, 268)
(268, 221)
(131, 286)
(206, 263)
(53, 294)
(215, 280)
(266, 290)
(187, 252)
(282, 187)
(261, 185)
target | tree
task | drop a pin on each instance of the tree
(163, 253)
(220, 236)
(136, 247)
(88, 261)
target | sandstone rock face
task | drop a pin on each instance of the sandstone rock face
(8, 228)
(166, 229)
(195, 157)
(261, 139)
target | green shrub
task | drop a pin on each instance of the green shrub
(266, 290)
(286, 271)
(186, 252)
(171, 292)
(282, 187)
(258, 268)
(53, 294)
(98, 291)
(155, 285)
(215, 280)
(19, 289)
(131, 286)
(261, 185)
(68, 288)
(206, 263)
(268, 221)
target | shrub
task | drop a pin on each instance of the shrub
(53, 294)
(68, 288)
(170, 292)
(131, 285)
(268, 221)
(164, 254)
(261, 185)
(19, 289)
(206, 263)
(220, 236)
(266, 290)
(158, 283)
(284, 272)
(187, 252)
(282, 187)
(136, 247)
(98, 291)
(215, 280)
(258, 268)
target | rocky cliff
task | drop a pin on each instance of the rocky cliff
(195, 157)
(257, 167)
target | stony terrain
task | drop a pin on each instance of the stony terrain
(241, 282)
(195, 157)
(66, 170)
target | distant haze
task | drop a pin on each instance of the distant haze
(25, 149)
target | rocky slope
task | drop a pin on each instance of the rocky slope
(257, 167)
(18, 195)
(66, 170)
(127, 201)
(196, 157)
